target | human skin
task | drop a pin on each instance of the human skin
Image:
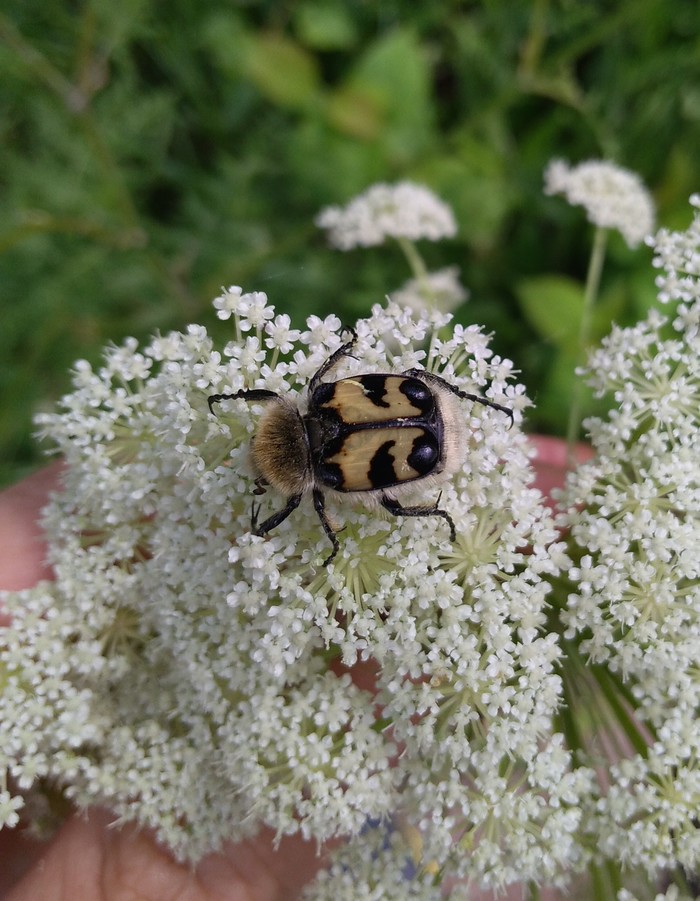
(91, 860)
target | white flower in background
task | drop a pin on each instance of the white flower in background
(613, 197)
(187, 674)
(634, 605)
(403, 211)
(441, 290)
(677, 254)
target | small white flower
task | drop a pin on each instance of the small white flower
(677, 255)
(9, 805)
(280, 334)
(257, 312)
(613, 197)
(249, 355)
(404, 210)
(228, 303)
(672, 893)
(321, 333)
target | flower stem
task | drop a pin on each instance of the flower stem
(595, 267)
(415, 260)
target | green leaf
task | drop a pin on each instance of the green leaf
(393, 77)
(280, 68)
(325, 25)
(552, 304)
(644, 292)
(357, 112)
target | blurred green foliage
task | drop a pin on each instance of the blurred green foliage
(153, 152)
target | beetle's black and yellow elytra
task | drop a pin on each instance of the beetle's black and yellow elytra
(370, 437)
(374, 431)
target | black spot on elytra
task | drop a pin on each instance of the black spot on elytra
(381, 468)
(374, 387)
(418, 393)
(425, 454)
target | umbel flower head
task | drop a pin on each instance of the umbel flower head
(402, 211)
(195, 678)
(613, 197)
(634, 601)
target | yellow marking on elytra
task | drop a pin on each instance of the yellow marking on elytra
(352, 403)
(359, 449)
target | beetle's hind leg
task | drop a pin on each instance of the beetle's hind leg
(395, 508)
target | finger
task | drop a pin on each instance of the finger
(93, 860)
(22, 544)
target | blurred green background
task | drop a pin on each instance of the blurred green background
(154, 151)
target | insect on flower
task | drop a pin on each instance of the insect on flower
(369, 437)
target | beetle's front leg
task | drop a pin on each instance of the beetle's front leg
(320, 507)
(272, 521)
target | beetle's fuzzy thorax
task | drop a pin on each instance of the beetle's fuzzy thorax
(455, 434)
(280, 451)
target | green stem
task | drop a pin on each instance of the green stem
(415, 260)
(595, 267)
(605, 881)
(599, 709)
(534, 43)
(36, 64)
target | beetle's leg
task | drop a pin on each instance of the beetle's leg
(272, 521)
(394, 507)
(345, 350)
(252, 394)
(431, 377)
(320, 507)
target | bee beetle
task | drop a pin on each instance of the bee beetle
(369, 437)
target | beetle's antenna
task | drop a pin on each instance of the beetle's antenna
(431, 377)
(252, 394)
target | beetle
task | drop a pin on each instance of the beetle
(370, 437)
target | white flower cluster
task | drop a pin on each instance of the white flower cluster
(195, 678)
(634, 515)
(677, 254)
(403, 211)
(440, 290)
(613, 197)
